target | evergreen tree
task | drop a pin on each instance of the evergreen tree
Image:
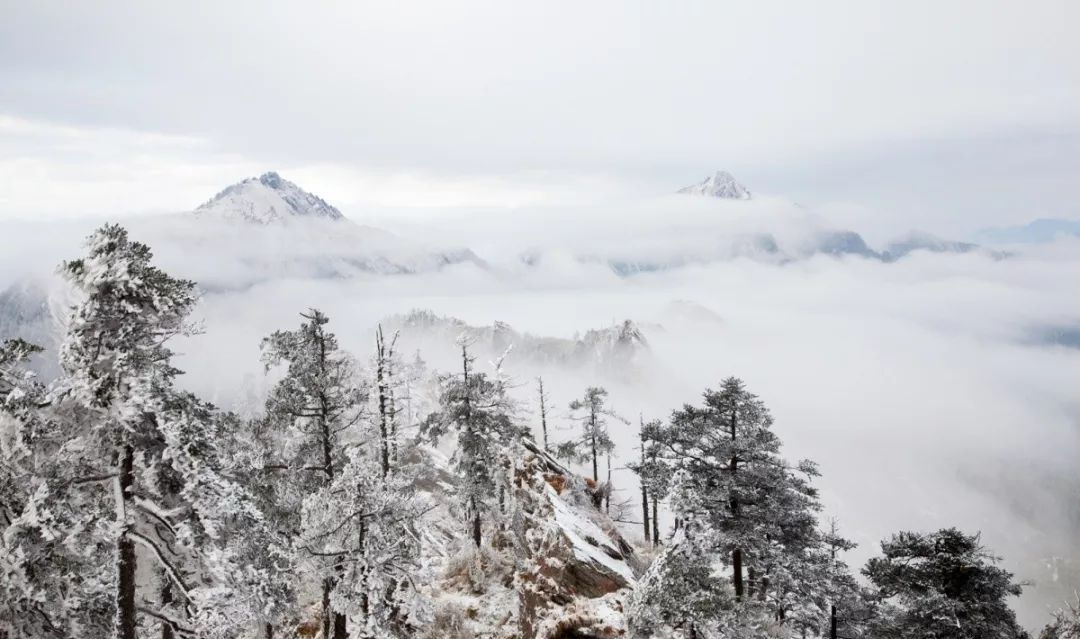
(311, 413)
(684, 588)
(126, 472)
(595, 441)
(364, 526)
(944, 585)
(477, 409)
(29, 578)
(754, 514)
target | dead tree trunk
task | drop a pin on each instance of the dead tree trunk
(543, 413)
(644, 489)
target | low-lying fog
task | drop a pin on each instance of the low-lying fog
(925, 388)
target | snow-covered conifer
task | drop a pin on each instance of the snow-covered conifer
(477, 409)
(311, 413)
(942, 584)
(594, 442)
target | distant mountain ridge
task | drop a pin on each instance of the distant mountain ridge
(721, 184)
(1035, 232)
(267, 199)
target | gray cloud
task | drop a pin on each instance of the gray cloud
(650, 96)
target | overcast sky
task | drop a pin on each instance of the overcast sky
(946, 116)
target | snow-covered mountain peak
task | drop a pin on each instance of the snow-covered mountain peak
(267, 199)
(722, 185)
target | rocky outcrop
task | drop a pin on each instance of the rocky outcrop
(574, 568)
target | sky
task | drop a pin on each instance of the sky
(882, 116)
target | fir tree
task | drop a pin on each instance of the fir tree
(595, 441)
(311, 412)
(127, 472)
(477, 409)
(754, 514)
(943, 584)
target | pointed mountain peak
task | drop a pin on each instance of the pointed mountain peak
(721, 185)
(267, 199)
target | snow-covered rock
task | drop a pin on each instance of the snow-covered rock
(267, 199)
(722, 185)
(575, 569)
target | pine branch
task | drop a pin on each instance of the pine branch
(166, 565)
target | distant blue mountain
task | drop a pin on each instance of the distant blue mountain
(1039, 231)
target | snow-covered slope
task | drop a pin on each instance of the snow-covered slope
(267, 199)
(722, 185)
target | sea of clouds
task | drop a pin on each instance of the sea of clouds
(926, 389)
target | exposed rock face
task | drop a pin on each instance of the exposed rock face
(574, 566)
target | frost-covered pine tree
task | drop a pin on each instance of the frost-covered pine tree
(127, 472)
(477, 409)
(594, 442)
(367, 519)
(27, 579)
(943, 584)
(311, 414)
(363, 525)
(684, 589)
(759, 512)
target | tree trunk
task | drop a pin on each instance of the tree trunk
(268, 630)
(340, 628)
(607, 490)
(736, 559)
(644, 490)
(384, 416)
(125, 549)
(737, 573)
(476, 524)
(543, 413)
(166, 599)
(326, 612)
(832, 622)
(655, 523)
(595, 467)
(645, 513)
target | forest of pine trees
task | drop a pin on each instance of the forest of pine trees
(131, 508)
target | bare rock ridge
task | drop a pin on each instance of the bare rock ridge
(267, 199)
(722, 185)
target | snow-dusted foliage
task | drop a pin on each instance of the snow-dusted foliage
(127, 474)
(362, 530)
(942, 584)
(740, 509)
(310, 415)
(1066, 624)
(594, 442)
(476, 409)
